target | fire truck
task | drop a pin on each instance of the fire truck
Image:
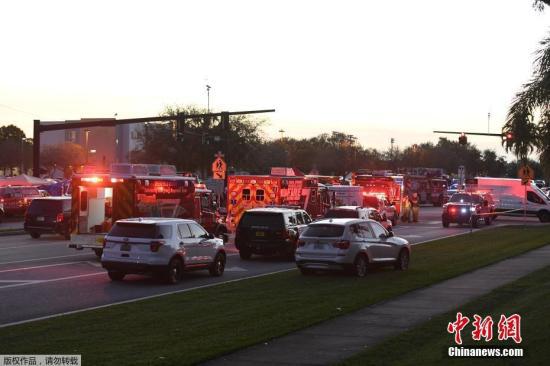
(283, 187)
(98, 200)
(390, 188)
(430, 190)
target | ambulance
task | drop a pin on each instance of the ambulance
(283, 187)
(135, 190)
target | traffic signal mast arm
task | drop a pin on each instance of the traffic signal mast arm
(463, 139)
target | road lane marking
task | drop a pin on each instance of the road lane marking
(412, 236)
(52, 280)
(143, 298)
(36, 267)
(33, 245)
(46, 258)
(236, 269)
(19, 281)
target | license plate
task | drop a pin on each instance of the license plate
(125, 247)
(40, 218)
(260, 233)
(318, 246)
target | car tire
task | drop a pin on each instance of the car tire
(445, 223)
(403, 260)
(544, 216)
(488, 220)
(35, 235)
(174, 272)
(475, 221)
(360, 265)
(98, 252)
(116, 275)
(245, 254)
(306, 271)
(216, 269)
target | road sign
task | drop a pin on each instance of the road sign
(526, 174)
(219, 167)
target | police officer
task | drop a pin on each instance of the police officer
(415, 206)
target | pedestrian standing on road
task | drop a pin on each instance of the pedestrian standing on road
(406, 216)
(415, 206)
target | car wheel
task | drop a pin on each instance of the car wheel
(306, 271)
(35, 235)
(445, 223)
(403, 260)
(245, 253)
(360, 265)
(216, 269)
(475, 221)
(98, 252)
(544, 216)
(175, 271)
(488, 220)
(116, 275)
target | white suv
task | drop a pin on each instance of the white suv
(162, 246)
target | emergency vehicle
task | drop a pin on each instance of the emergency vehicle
(511, 198)
(98, 200)
(283, 187)
(389, 188)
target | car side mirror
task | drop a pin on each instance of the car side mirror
(383, 236)
(390, 233)
(210, 236)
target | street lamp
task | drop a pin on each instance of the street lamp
(208, 97)
(86, 133)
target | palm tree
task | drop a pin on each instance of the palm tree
(531, 102)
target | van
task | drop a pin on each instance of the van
(509, 196)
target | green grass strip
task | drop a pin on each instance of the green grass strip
(199, 325)
(427, 344)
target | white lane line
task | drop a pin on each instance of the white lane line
(19, 281)
(36, 267)
(236, 269)
(45, 258)
(33, 245)
(53, 280)
(412, 236)
(143, 298)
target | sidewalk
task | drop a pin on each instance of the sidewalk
(337, 339)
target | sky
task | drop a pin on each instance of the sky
(374, 69)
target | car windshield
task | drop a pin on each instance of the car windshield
(268, 219)
(465, 198)
(137, 230)
(339, 213)
(41, 207)
(324, 231)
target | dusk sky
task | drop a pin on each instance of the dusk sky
(375, 69)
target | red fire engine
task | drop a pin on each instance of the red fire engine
(98, 200)
(284, 186)
(391, 188)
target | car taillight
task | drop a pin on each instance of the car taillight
(59, 217)
(301, 243)
(155, 245)
(342, 244)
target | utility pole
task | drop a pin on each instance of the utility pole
(208, 97)
(488, 120)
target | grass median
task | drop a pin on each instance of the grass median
(199, 325)
(428, 343)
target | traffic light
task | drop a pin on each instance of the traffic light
(462, 139)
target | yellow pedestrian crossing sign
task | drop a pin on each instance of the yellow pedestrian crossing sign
(219, 167)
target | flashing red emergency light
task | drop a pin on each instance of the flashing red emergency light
(92, 179)
(117, 180)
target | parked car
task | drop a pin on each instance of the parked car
(162, 246)
(466, 208)
(358, 212)
(48, 215)
(270, 230)
(350, 244)
(16, 199)
(383, 206)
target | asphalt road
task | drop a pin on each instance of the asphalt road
(42, 277)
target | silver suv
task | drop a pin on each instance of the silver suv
(162, 246)
(350, 244)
